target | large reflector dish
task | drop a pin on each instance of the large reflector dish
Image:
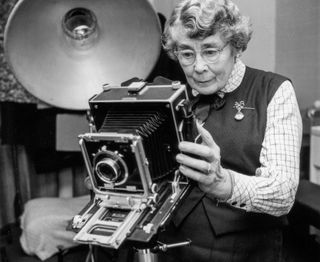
(63, 52)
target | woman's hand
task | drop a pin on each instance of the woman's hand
(201, 163)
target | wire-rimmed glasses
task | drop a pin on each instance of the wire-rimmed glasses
(210, 55)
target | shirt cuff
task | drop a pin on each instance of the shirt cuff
(243, 192)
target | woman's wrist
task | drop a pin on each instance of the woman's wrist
(229, 184)
(224, 189)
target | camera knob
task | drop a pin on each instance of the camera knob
(154, 198)
(176, 85)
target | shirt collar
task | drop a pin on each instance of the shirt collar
(235, 78)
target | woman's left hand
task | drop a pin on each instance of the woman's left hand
(201, 163)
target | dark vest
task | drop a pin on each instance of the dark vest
(240, 143)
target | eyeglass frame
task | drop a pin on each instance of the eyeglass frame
(219, 51)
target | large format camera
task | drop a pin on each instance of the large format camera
(131, 162)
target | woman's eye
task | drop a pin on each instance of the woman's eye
(210, 52)
(187, 54)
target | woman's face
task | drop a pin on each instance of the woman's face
(206, 78)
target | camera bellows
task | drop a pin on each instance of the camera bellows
(152, 127)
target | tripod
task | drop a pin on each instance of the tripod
(145, 254)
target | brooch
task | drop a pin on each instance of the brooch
(240, 106)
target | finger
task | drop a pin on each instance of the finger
(196, 150)
(197, 176)
(194, 163)
(206, 136)
(209, 141)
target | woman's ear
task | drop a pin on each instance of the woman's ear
(237, 55)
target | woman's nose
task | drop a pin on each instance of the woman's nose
(199, 64)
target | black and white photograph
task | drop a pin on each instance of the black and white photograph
(159, 131)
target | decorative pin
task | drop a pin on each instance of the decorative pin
(239, 106)
(239, 115)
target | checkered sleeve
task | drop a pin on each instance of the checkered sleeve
(272, 190)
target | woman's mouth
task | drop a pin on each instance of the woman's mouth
(203, 82)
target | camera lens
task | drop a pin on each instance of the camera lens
(108, 170)
(110, 167)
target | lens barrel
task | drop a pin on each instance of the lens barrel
(110, 167)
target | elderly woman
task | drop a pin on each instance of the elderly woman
(246, 167)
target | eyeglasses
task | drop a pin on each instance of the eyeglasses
(210, 55)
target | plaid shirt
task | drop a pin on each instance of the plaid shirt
(272, 190)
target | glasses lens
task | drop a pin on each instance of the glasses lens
(186, 57)
(210, 55)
